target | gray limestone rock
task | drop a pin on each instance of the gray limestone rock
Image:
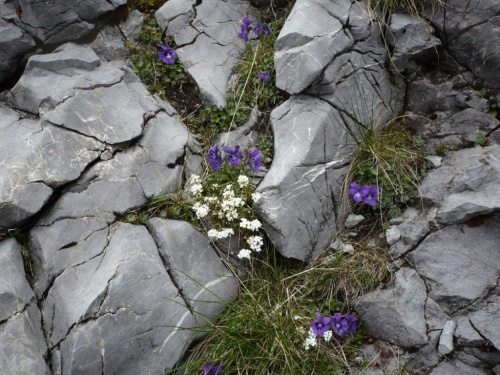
(302, 187)
(435, 317)
(412, 41)
(425, 98)
(15, 292)
(446, 339)
(37, 157)
(21, 338)
(131, 177)
(415, 227)
(456, 253)
(397, 313)
(392, 235)
(207, 36)
(312, 36)
(108, 44)
(60, 21)
(465, 186)
(23, 345)
(194, 266)
(118, 312)
(353, 220)
(131, 27)
(426, 357)
(456, 366)
(471, 34)
(358, 85)
(14, 43)
(465, 334)
(487, 320)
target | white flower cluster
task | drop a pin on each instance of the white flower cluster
(230, 203)
(196, 187)
(244, 253)
(250, 225)
(210, 199)
(201, 210)
(255, 243)
(218, 235)
(310, 341)
(328, 335)
(256, 197)
(243, 181)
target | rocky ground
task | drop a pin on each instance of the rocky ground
(83, 142)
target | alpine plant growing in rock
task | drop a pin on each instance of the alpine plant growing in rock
(326, 326)
(224, 198)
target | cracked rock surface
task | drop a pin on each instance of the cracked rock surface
(302, 187)
(22, 344)
(207, 35)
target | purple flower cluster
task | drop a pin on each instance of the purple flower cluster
(265, 76)
(365, 193)
(211, 369)
(167, 55)
(259, 29)
(234, 157)
(338, 323)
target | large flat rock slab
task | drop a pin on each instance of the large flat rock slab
(207, 35)
(471, 34)
(60, 21)
(118, 312)
(37, 157)
(312, 36)
(397, 313)
(465, 186)
(302, 187)
(195, 267)
(459, 263)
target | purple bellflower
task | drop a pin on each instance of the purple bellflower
(321, 325)
(214, 158)
(357, 192)
(339, 324)
(247, 22)
(352, 322)
(265, 76)
(166, 54)
(265, 29)
(243, 34)
(233, 155)
(211, 369)
(370, 195)
(254, 161)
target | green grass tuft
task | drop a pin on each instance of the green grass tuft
(393, 159)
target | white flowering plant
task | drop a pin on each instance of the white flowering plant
(225, 196)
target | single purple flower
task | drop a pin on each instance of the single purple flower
(321, 325)
(352, 322)
(265, 76)
(266, 29)
(357, 192)
(339, 324)
(247, 22)
(254, 161)
(166, 54)
(244, 33)
(371, 195)
(233, 155)
(214, 158)
(257, 29)
(211, 369)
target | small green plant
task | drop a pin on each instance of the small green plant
(145, 6)
(158, 76)
(481, 140)
(390, 159)
(441, 150)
